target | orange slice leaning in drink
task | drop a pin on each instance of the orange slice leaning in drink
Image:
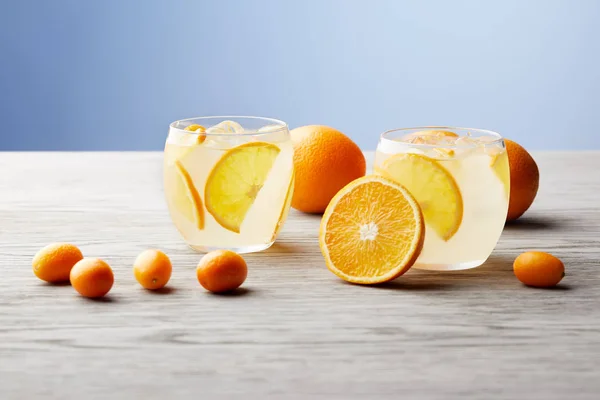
(372, 231)
(286, 207)
(434, 188)
(184, 196)
(235, 181)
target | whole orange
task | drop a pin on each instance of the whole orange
(53, 263)
(92, 277)
(325, 160)
(152, 269)
(524, 179)
(221, 271)
(539, 269)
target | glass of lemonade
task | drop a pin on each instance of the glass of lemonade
(229, 181)
(460, 178)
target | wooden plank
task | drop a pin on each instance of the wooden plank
(296, 331)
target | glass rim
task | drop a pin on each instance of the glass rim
(281, 124)
(487, 132)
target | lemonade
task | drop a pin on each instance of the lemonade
(229, 181)
(460, 178)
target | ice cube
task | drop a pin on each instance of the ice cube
(487, 145)
(185, 139)
(466, 142)
(486, 139)
(226, 142)
(465, 145)
(493, 150)
(443, 153)
(416, 150)
(269, 128)
(431, 137)
(447, 140)
(230, 127)
(215, 129)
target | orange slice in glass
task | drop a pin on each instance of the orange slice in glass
(286, 207)
(184, 196)
(434, 188)
(195, 128)
(372, 231)
(235, 181)
(499, 163)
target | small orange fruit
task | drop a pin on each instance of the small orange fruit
(539, 269)
(372, 231)
(325, 160)
(221, 271)
(524, 179)
(92, 277)
(53, 263)
(152, 269)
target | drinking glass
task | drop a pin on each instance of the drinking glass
(228, 181)
(460, 178)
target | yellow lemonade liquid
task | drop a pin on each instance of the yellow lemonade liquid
(462, 187)
(228, 190)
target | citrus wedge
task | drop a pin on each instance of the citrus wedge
(235, 181)
(499, 163)
(433, 187)
(372, 231)
(286, 207)
(185, 197)
(195, 128)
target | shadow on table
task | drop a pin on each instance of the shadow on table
(239, 292)
(495, 273)
(534, 223)
(162, 291)
(106, 299)
(282, 247)
(55, 284)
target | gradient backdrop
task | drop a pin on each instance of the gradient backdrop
(111, 75)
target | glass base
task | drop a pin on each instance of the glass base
(449, 267)
(239, 250)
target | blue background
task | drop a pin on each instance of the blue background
(111, 75)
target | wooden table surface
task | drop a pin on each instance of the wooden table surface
(295, 331)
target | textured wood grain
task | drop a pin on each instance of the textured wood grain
(295, 331)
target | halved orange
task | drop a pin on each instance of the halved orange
(235, 181)
(185, 197)
(372, 231)
(432, 185)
